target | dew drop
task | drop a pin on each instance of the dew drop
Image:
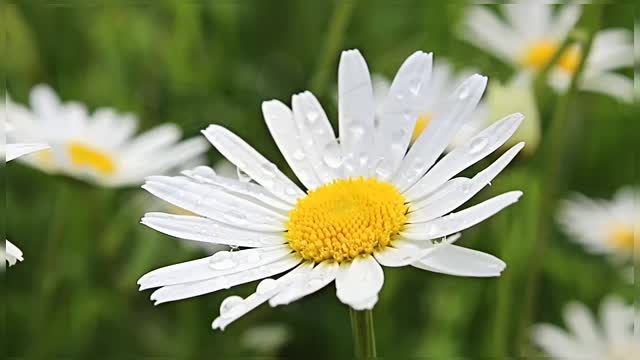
(266, 286)
(204, 171)
(298, 154)
(331, 156)
(312, 116)
(464, 93)
(222, 260)
(230, 304)
(243, 176)
(269, 169)
(477, 145)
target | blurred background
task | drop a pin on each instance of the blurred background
(195, 63)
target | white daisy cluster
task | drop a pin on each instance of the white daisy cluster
(372, 200)
(531, 33)
(100, 147)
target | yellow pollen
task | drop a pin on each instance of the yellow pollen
(540, 53)
(622, 237)
(346, 219)
(421, 124)
(83, 156)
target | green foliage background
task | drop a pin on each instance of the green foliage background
(201, 62)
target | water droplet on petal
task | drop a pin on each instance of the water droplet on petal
(298, 154)
(332, 156)
(356, 130)
(266, 286)
(477, 145)
(222, 260)
(243, 176)
(269, 169)
(230, 305)
(312, 116)
(203, 171)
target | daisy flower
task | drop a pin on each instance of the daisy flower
(101, 147)
(369, 202)
(611, 338)
(434, 99)
(604, 227)
(12, 151)
(531, 34)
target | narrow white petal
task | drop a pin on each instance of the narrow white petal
(266, 289)
(251, 162)
(580, 321)
(616, 317)
(531, 20)
(318, 138)
(207, 175)
(12, 253)
(198, 228)
(564, 21)
(313, 280)
(219, 264)
(45, 103)
(488, 32)
(16, 150)
(154, 139)
(398, 257)
(428, 147)
(284, 131)
(608, 83)
(358, 281)
(214, 203)
(460, 261)
(356, 112)
(557, 343)
(461, 220)
(399, 111)
(465, 155)
(456, 192)
(197, 288)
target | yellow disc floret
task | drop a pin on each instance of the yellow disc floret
(83, 156)
(345, 219)
(540, 53)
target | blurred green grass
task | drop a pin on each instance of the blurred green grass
(201, 62)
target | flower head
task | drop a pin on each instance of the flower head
(99, 147)
(611, 338)
(371, 200)
(533, 33)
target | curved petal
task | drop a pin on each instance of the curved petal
(465, 155)
(459, 261)
(197, 228)
(399, 111)
(251, 162)
(359, 281)
(14, 151)
(267, 289)
(557, 343)
(284, 131)
(188, 290)
(12, 253)
(580, 321)
(356, 112)
(219, 264)
(456, 192)
(157, 138)
(435, 138)
(530, 19)
(219, 205)
(612, 84)
(319, 140)
(398, 257)
(564, 21)
(461, 220)
(313, 280)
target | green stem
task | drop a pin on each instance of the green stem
(552, 169)
(337, 25)
(364, 338)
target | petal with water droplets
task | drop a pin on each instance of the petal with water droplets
(358, 281)
(459, 261)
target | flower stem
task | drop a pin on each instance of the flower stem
(553, 167)
(335, 33)
(364, 339)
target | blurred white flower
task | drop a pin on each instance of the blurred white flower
(611, 338)
(370, 202)
(532, 34)
(604, 227)
(11, 253)
(265, 339)
(99, 147)
(433, 100)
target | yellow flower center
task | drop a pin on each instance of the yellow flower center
(346, 219)
(540, 53)
(83, 156)
(622, 237)
(421, 124)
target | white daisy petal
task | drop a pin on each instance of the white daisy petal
(284, 131)
(45, 102)
(556, 343)
(612, 84)
(459, 261)
(219, 264)
(399, 111)
(456, 192)
(154, 139)
(485, 30)
(465, 155)
(616, 317)
(580, 321)
(213, 203)
(317, 135)
(207, 175)
(188, 290)
(564, 21)
(356, 112)
(461, 220)
(119, 128)
(358, 281)
(435, 138)
(12, 253)
(235, 307)
(206, 230)
(251, 162)
(14, 151)
(315, 279)
(398, 257)
(529, 19)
